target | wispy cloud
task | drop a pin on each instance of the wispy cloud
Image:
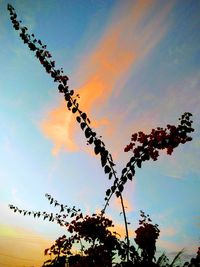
(174, 247)
(129, 38)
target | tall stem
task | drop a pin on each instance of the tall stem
(126, 226)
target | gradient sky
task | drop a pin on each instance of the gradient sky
(136, 66)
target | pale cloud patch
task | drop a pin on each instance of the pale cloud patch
(15, 240)
(168, 231)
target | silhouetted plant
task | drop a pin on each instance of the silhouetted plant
(94, 230)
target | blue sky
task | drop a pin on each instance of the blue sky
(136, 67)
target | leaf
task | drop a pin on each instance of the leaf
(74, 110)
(78, 119)
(87, 132)
(97, 149)
(110, 175)
(61, 208)
(113, 188)
(90, 141)
(132, 168)
(108, 192)
(84, 116)
(97, 142)
(83, 124)
(104, 157)
(107, 169)
(67, 97)
(117, 193)
(124, 170)
(139, 163)
(69, 104)
(60, 88)
(130, 176)
(124, 179)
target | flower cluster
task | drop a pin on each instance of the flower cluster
(147, 146)
(159, 138)
(101, 243)
(146, 236)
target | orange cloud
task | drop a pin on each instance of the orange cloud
(120, 230)
(103, 71)
(57, 126)
(117, 204)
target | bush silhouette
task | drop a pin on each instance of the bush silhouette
(99, 245)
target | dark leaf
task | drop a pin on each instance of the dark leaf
(60, 88)
(69, 104)
(107, 169)
(124, 179)
(61, 208)
(108, 192)
(117, 193)
(130, 176)
(87, 132)
(78, 119)
(84, 116)
(124, 170)
(104, 157)
(110, 175)
(132, 168)
(97, 142)
(94, 134)
(113, 188)
(139, 163)
(67, 97)
(83, 124)
(90, 141)
(74, 110)
(97, 149)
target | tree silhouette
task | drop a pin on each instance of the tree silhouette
(95, 231)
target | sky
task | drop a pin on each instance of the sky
(136, 66)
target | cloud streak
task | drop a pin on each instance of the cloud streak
(130, 37)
